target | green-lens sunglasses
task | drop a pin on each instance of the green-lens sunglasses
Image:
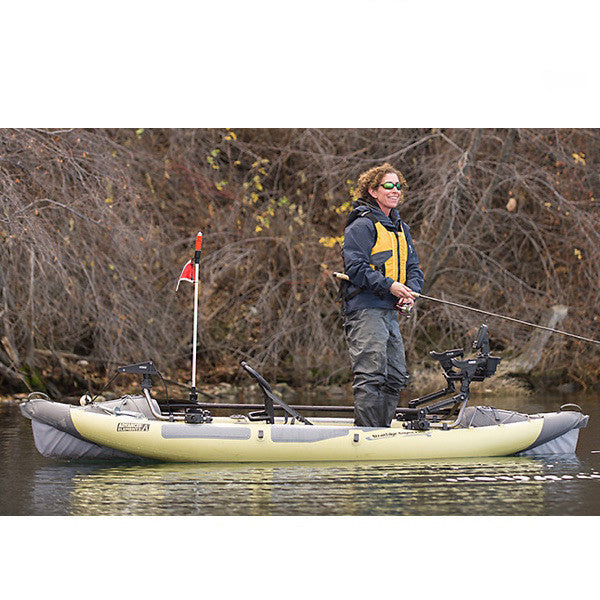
(388, 185)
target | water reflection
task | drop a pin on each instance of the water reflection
(490, 486)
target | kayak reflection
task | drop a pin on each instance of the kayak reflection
(490, 486)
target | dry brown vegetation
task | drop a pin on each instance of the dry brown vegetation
(96, 225)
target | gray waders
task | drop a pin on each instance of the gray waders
(378, 363)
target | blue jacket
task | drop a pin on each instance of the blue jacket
(359, 239)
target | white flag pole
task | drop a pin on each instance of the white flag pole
(195, 337)
(193, 393)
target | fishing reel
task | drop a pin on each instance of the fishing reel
(403, 307)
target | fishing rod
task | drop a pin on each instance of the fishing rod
(485, 312)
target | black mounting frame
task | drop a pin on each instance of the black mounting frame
(456, 370)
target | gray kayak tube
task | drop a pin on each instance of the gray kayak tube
(55, 435)
(560, 430)
(559, 435)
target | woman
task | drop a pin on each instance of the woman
(382, 265)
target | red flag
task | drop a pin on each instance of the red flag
(188, 271)
(187, 274)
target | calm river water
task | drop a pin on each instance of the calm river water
(558, 485)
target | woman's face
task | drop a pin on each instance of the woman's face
(386, 199)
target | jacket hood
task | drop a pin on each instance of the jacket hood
(394, 216)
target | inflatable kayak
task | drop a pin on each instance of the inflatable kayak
(123, 429)
(434, 426)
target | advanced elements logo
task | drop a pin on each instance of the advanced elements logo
(133, 426)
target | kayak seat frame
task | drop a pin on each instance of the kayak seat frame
(271, 399)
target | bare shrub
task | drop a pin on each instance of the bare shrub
(97, 224)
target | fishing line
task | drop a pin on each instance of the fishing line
(491, 314)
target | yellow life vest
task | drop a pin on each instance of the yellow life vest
(390, 252)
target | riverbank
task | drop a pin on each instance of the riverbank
(424, 379)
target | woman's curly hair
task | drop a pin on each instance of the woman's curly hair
(372, 178)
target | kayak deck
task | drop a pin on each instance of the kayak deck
(232, 441)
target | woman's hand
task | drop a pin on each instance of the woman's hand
(401, 291)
